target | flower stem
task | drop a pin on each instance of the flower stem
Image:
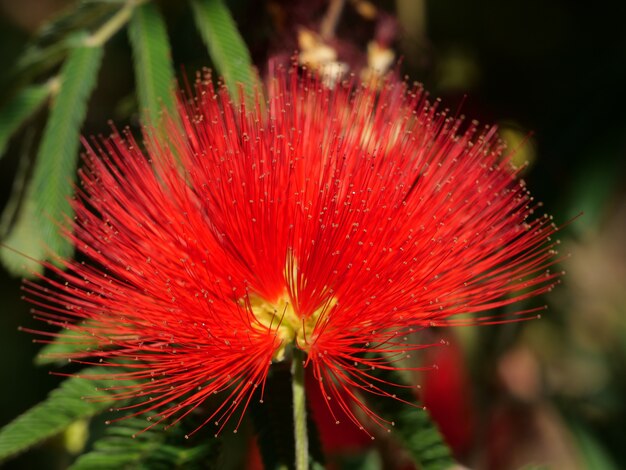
(331, 19)
(113, 25)
(299, 410)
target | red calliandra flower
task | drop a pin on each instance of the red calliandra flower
(335, 221)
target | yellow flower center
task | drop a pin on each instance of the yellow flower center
(288, 326)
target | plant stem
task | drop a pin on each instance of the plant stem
(299, 410)
(113, 25)
(331, 19)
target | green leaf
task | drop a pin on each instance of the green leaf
(26, 233)
(18, 109)
(413, 426)
(592, 451)
(46, 206)
(19, 183)
(68, 342)
(148, 450)
(52, 353)
(64, 406)
(226, 46)
(154, 72)
(26, 240)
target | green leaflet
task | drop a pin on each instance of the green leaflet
(226, 46)
(63, 347)
(46, 205)
(154, 72)
(593, 452)
(413, 426)
(18, 109)
(25, 237)
(19, 182)
(51, 353)
(63, 407)
(150, 449)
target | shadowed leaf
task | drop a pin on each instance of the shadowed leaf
(63, 407)
(226, 46)
(36, 231)
(154, 72)
(149, 449)
(413, 425)
(18, 109)
(64, 346)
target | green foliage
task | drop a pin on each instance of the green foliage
(226, 46)
(12, 115)
(46, 203)
(592, 451)
(64, 406)
(154, 71)
(61, 348)
(18, 109)
(19, 182)
(56, 161)
(57, 37)
(150, 449)
(41, 207)
(26, 240)
(412, 424)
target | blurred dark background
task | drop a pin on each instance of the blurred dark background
(552, 75)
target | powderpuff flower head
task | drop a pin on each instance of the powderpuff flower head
(330, 223)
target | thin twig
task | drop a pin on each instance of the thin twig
(331, 19)
(113, 25)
